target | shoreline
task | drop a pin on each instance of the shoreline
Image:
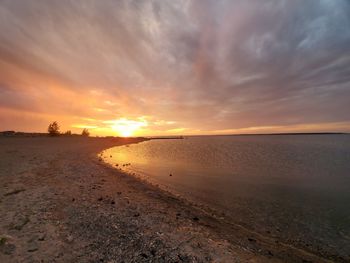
(234, 232)
(59, 203)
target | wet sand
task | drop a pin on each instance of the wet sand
(60, 203)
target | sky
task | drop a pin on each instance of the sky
(168, 67)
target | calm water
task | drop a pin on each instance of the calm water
(293, 187)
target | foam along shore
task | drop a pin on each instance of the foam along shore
(61, 203)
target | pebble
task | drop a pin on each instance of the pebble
(42, 236)
(70, 239)
(33, 246)
(20, 222)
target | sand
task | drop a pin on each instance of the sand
(60, 203)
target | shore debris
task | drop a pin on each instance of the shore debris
(14, 191)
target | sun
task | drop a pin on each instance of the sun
(125, 131)
(127, 128)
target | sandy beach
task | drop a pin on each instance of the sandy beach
(60, 203)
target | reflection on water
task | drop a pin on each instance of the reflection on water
(293, 187)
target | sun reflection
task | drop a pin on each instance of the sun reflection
(127, 128)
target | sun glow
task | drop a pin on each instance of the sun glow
(127, 128)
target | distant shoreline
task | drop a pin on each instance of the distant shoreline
(272, 134)
(10, 133)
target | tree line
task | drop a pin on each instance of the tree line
(54, 130)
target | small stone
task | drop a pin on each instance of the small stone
(195, 219)
(19, 222)
(251, 239)
(42, 236)
(33, 246)
(70, 239)
(14, 192)
(100, 199)
(112, 202)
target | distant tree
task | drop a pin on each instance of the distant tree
(68, 132)
(54, 129)
(85, 132)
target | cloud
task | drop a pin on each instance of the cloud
(203, 64)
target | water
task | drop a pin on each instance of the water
(295, 188)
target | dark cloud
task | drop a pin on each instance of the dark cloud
(221, 63)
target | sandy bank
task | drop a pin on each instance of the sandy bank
(59, 203)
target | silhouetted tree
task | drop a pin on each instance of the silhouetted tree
(68, 132)
(54, 129)
(85, 132)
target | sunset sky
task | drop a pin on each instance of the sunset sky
(167, 67)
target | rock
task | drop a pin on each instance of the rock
(112, 202)
(70, 239)
(195, 219)
(14, 191)
(170, 175)
(33, 246)
(42, 236)
(100, 199)
(251, 239)
(19, 222)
